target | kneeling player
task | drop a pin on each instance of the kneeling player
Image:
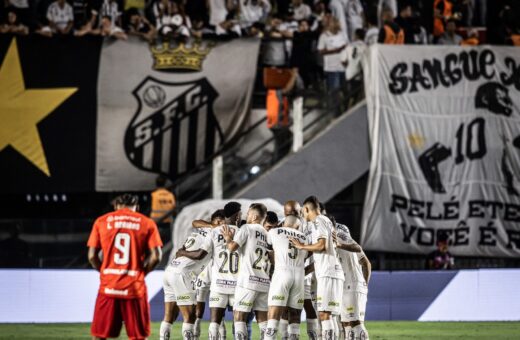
(179, 282)
(287, 282)
(357, 269)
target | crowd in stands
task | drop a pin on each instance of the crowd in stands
(384, 21)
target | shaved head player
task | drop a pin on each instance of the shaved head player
(131, 248)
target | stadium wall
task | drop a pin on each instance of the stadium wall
(42, 296)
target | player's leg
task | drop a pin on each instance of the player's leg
(202, 295)
(358, 325)
(188, 317)
(273, 318)
(328, 299)
(185, 296)
(260, 307)
(136, 316)
(107, 321)
(244, 300)
(171, 311)
(217, 305)
(294, 323)
(283, 326)
(313, 323)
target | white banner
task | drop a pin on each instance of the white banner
(445, 138)
(166, 109)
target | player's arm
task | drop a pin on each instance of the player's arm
(201, 224)
(317, 247)
(366, 267)
(193, 255)
(352, 247)
(152, 260)
(93, 258)
(227, 232)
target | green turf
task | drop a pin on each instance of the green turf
(378, 330)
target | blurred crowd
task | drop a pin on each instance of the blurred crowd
(384, 21)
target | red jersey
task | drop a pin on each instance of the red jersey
(123, 236)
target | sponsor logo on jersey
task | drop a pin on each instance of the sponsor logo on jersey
(116, 291)
(300, 300)
(247, 304)
(278, 297)
(214, 299)
(261, 235)
(291, 233)
(333, 304)
(126, 225)
(183, 297)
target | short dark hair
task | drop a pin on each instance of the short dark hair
(271, 217)
(322, 206)
(260, 209)
(312, 202)
(453, 21)
(231, 208)
(218, 214)
(160, 181)
(127, 200)
(360, 33)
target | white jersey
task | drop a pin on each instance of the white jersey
(285, 254)
(326, 263)
(224, 271)
(350, 261)
(254, 262)
(198, 239)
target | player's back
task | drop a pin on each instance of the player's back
(326, 263)
(254, 261)
(285, 254)
(225, 266)
(350, 260)
(124, 237)
(198, 239)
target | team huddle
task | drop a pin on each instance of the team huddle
(274, 269)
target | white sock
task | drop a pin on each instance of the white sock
(263, 326)
(282, 329)
(196, 330)
(240, 330)
(222, 331)
(271, 330)
(327, 330)
(349, 333)
(294, 331)
(313, 329)
(335, 324)
(187, 331)
(165, 330)
(360, 332)
(213, 331)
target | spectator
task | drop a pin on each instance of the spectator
(472, 39)
(383, 6)
(163, 201)
(514, 38)
(352, 56)
(419, 34)
(109, 29)
(440, 258)
(110, 8)
(139, 26)
(390, 33)
(229, 27)
(218, 10)
(252, 11)
(355, 17)
(404, 20)
(372, 33)
(60, 18)
(89, 27)
(301, 10)
(22, 10)
(13, 25)
(450, 36)
(338, 11)
(330, 44)
(303, 56)
(442, 11)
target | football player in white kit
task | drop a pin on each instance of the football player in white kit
(253, 277)
(287, 282)
(357, 270)
(179, 282)
(329, 274)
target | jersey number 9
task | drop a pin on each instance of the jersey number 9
(122, 243)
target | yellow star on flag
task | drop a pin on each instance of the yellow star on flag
(22, 109)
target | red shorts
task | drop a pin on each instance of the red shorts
(110, 312)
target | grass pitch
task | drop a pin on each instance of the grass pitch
(377, 330)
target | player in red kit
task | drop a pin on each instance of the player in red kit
(131, 248)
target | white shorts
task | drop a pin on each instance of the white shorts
(247, 300)
(202, 294)
(178, 287)
(353, 306)
(287, 288)
(328, 296)
(220, 300)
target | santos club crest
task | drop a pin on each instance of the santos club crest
(174, 128)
